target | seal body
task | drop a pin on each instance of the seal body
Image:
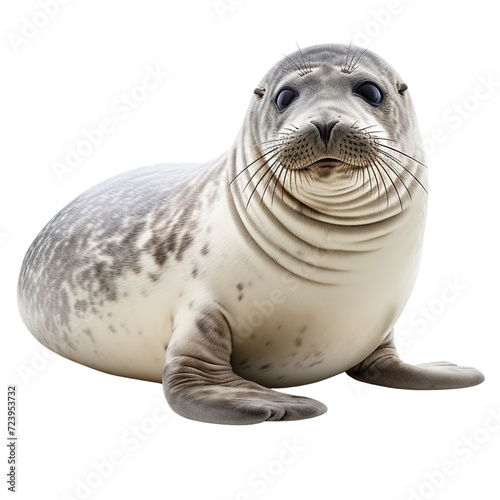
(285, 261)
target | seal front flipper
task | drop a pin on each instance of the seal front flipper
(383, 367)
(199, 382)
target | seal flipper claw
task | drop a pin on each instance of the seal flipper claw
(199, 382)
(383, 367)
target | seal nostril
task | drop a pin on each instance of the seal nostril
(324, 129)
(321, 128)
(329, 127)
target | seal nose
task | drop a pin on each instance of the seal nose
(324, 129)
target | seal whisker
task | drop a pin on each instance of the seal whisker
(377, 165)
(290, 180)
(404, 154)
(370, 166)
(374, 166)
(397, 175)
(351, 60)
(302, 177)
(283, 184)
(268, 146)
(294, 63)
(301, 70)
(305, 63)
(256, 148)
(364, 128)
(250, 164)
(309, 162)
(286, 131)
(281, 168)
(273, 172)
(362, 53)
(278, 140)
(357, 174)
(377, 138)
(393, 183)
(391, 157)
(257, 185)
(306, 173)
(262, 177)
(368, 173)
(371, 134)
(258, 170)
(298, 174)
(363, 175)
(345, 66)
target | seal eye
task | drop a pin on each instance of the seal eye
(285, 97)
(370, 92)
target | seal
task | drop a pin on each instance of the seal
(283, 262)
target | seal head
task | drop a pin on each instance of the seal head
(330, 114)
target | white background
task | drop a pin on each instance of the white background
(373, 442)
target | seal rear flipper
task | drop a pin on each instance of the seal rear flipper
(199, 382)
(384, 367)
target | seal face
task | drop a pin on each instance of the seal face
(283, 262)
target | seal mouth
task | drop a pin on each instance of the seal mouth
(326, 163)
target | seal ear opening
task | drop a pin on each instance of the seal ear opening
(259, 92)
(402, 88)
